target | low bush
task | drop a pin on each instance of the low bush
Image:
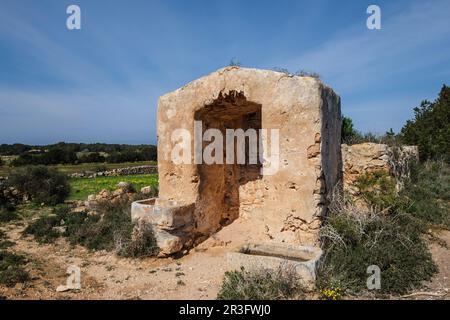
(4, 242)
(393, 243)
(110, 229)
(141, 244)
(426, 194)
(44, 228)
(389, 233)
(377, 189)
(11, 269)
(261, 285)
(43, 184)
(8, 214)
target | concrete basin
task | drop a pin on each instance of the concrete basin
(271, 256)
(163, 214)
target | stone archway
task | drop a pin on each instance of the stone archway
(218, 202)
(287, 203)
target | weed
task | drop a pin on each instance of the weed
(43, 184)
(260, 285)
(355, 238)
(11, 270)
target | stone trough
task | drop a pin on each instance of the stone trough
(272, 256)
(170, 221)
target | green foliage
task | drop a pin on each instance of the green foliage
(377, 189)
(8, 215)
(389, 234)
(348, 133)
(426, 194)
(110, 229)
(43, 229)
(260, 285)
(430, 128)
(91, 157)
(141, 244)
(393, 243)
(4, 242)
(7, 210)
(82, 187)
(73, 153)
(11, 268)
(42, 184)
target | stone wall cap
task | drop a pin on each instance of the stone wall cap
(261, 73)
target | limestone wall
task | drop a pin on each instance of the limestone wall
(369, 157)
(286, 204)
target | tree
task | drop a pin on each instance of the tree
(348, 133)
(43, 184)
(430, 128)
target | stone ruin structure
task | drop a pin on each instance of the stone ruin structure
(363, 158)
(197, 200)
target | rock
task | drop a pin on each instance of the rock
(118, 192)
(167, 243)
(60, 230)
(79, 209)
(103, 194)
(63, 288)
(124, 185)
(90, 205)
(147, 190)
(91, 197)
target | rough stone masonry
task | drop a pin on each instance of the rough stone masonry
(288, 203)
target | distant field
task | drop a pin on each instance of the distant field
(82, 187)
(71, 168)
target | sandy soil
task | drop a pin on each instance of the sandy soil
(196, 275)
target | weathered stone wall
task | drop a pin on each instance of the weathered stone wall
(128, 171)
(369, 157)
(287, 204)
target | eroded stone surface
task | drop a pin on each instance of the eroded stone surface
(361, 158)
(288, 204)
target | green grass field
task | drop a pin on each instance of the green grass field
(82, 187)
(72, 168)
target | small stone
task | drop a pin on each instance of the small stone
(147, 190)
(123, 185)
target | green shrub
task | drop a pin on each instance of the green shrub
(426, 194)
(377, 188)
(42, 184)
(260, 285)
(43, 229)
(110, 229)
(4, 242)
(98, 231)
(141, 244)
(8, 215)
(11, 268)
(354, 240)
(430, 128)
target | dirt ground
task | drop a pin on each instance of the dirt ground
(196, 275)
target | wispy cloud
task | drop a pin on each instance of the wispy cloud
(357, 57)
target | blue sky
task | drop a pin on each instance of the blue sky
(101, 83)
